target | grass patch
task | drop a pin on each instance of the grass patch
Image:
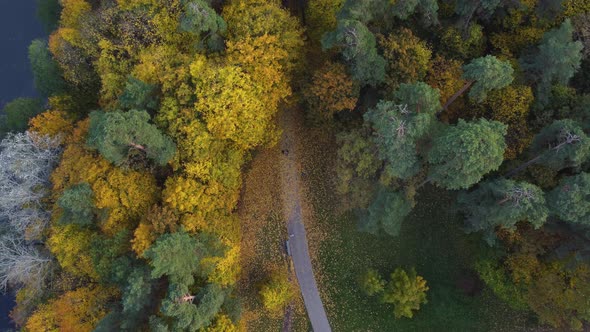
(431, 240)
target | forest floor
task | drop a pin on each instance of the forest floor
(431, 240)
(293, 211)
(264, 231)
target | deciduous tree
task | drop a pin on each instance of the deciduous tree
(331, 91)
(406, 291)
(407, 56)
(277, 291)
(372, 283)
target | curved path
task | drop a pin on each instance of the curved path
(290, 181)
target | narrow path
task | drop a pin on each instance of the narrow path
(291, 184)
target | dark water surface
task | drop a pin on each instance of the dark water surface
(18, 27)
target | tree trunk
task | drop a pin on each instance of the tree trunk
(455, 96)
(523, 166)
(137, 146)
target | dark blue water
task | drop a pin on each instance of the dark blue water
(18, 27)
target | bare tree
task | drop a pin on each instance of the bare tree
(26, 161)
(21, 263)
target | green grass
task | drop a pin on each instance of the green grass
(431, 240)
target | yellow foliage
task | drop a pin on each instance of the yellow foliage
(188, 195)
(131, 4)
(143, 237)
(256, 18)
(511, 106)
(157, 220)
(575, 7)
(112, 67)
(332, 91)
(407, 57)
(320, 17)
(511, 44)
(52, 123)
(72, 12)
(445, 75)
(227, 268)
(222, 324)
(231, 104)
(75, 311)
(70, 244)
(124, 194)
(261, 58)
(277, 292)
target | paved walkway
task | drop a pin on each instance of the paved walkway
(291, 183)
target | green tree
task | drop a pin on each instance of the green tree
(356, 166)
(467, 9)
(372, 283)
(115, 133)
(46, 73)
(196, 314)
(488, 73)
(77, 203)
(199, 19)
(48, 13)
(139, 95)
(178, 256)
(406, 291)
(16, 114)
(570, 201)
(276, 292)
(359, 47)
(503, 203)
(556, 61)
(137, 296)
(401, 123)
(464, 153)
(485, 74)
(428, 8)
(386, 213)
(562, 144)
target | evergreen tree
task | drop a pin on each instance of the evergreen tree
(562, 144)
(46, 73)
(115, 133)
(77, 203)
(400, 124)
(464, 153)
(503, 203)
(138, 95)
(489, 73)
(386, 213)
(570, 201)
(178, 256)
(556, 61)
(15, 115)
(359, 47)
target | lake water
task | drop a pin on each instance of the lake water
(18, 27)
